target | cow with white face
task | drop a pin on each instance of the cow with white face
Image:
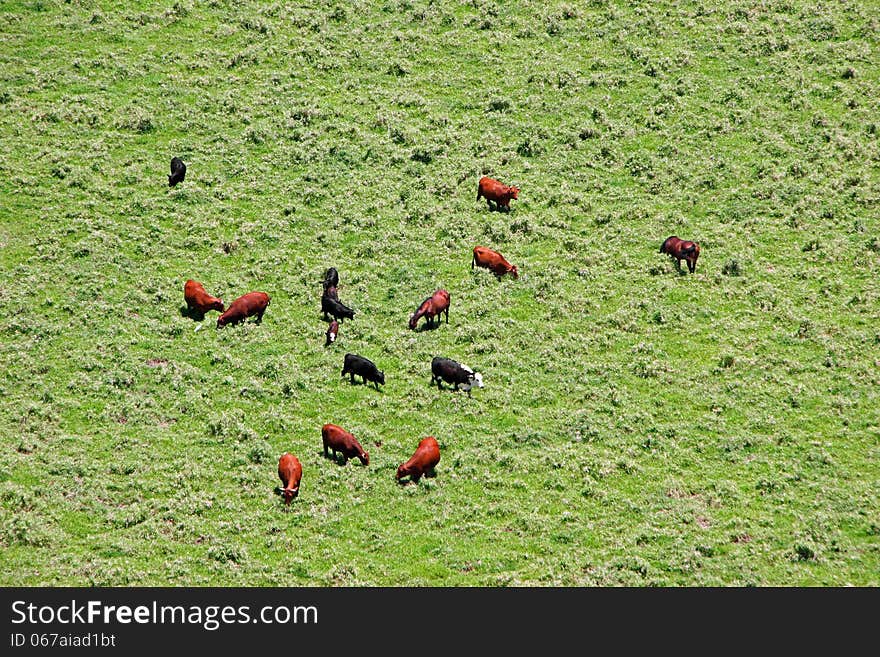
(455, 373)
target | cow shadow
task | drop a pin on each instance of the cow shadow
(191, 313)
(337, 459)
(369, 384)
(426, 326)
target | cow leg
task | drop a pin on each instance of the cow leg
(352, 376)
(447, 315)
(259, 318)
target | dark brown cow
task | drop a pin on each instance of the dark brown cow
(290, 472)
(198, 300)
(496, 192)
(247, 305)
(339, 440)
(493, 261)
(682, 250)
(431, 307)
(332, 332)
(422, 462)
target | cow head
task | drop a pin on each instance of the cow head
(364, 458)
(413, 320)
(221, 321)
(217, 305)
(287, 493)
(514, 192)
(290, 493)
(402, 472)
(513, 271)
(380, 377)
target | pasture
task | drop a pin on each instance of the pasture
(638, 426)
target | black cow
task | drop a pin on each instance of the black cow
(336, 308)
(363, 367)
(331, 278)
(454, 372)
(178, 171)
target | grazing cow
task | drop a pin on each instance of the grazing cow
(247, 305)
(331, 278)
(336, 308)
(496, 192)
(493, 261)
(339, 440)
(290, 472)
(363, 367)
(332, 332)
(198, 299)
(448, 370)
(431, 307)
(422, 462)
(178, 171)
(682, 250)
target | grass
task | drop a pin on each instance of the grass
(638, 426)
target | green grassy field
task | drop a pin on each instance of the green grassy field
(638, 426)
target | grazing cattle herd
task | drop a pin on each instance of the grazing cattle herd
(335, 439)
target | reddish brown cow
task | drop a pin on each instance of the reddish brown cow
(247, 305)
(422, 462)
(339, 440)
(198, 300)
(493, 261)
(432, 307)
(682, 250)
(496, 192)
(332, 332)
(290, 472)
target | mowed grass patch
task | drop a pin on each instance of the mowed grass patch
(638, 425)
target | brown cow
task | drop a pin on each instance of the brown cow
(339, 440)
(431, 307)
(494, 261)
(422, 462)
(290, 472)
(682, 250)
(247, 305)
(499, 193)
(198, 300)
